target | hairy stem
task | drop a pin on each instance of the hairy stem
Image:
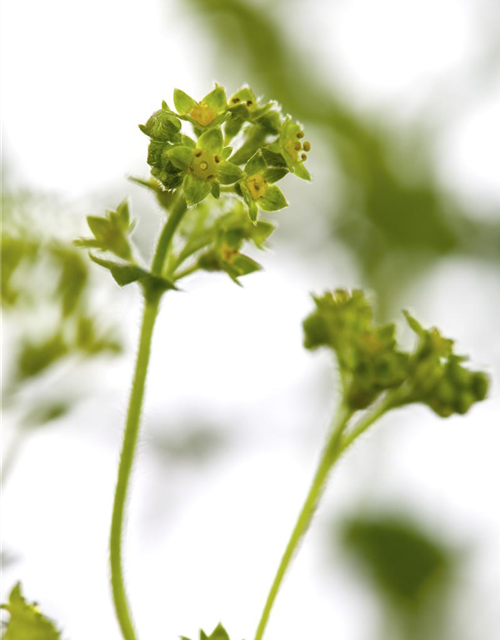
(165, 240)
(326, 462)
(389, 402)
(126, 462)
(186, 272)
(132, 425)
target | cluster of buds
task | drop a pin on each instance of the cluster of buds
(371, 364)
(243, 144)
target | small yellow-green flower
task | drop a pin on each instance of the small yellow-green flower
(293, 148)
(257, 187)
(204, 166)
(210, 111)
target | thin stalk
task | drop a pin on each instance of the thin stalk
(126, 462)
(165, 240)
(349, 437)
(200, 243)
(132, 425)
(326, 462)
(186, 272)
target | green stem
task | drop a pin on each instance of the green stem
(192, 248)
(327, 460)
(132, 425)
(337, 445)
(126, 462)
(186, 272)
(165, 240)
(387, 403)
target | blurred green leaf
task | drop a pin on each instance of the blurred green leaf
(35, 357)
(45, 412)
(73, 278)
(399, 557)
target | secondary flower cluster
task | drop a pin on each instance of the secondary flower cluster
(267, 146)
(371, 364)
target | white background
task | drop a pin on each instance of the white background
(204, 538)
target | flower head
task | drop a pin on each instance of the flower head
(371, 363)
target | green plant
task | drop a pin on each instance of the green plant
(376, 376)
(213, 194)
(27, 622)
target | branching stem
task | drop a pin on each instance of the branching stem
(340, 440)
(326, 462)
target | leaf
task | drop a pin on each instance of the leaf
(272, 200)
(181, 156)
(401, 560)
(260, 232)
(215, 189)
(211, 141)
(195, 190)
(256, 164)
(35, 357)
(125, 273)
(111, 233)
(301, 172)
(273, 174)
(26, 621)
(91, 339)
(219, 633)
(216, 99)
(245, 265)
(273, 157)
(228, 173)
(183, 103)
(73, 278)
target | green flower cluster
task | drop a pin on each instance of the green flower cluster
(437, 376)
(268, 147)
(371, 364)
(230, 231)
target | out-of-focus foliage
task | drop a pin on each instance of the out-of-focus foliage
(407, 568)
(48, 308)
(396, 218)
(42, 275)
(26, 621)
